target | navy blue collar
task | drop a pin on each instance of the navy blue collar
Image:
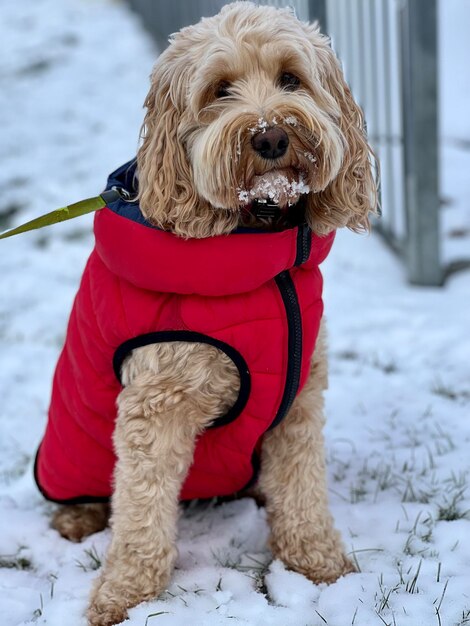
(125, 178)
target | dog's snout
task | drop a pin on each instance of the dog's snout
(271, 143)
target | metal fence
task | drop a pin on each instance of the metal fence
(389, 53)
(167, 16)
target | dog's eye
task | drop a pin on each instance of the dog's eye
(289, 81)
(222, 89)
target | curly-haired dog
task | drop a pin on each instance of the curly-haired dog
(251, 134)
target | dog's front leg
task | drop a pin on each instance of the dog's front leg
(154, 444)
(173, 391)
(293, 481)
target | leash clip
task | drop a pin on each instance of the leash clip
(111, 195)
(125, 195)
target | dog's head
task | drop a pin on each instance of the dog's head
(246, 105)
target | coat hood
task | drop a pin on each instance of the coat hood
(153, 259)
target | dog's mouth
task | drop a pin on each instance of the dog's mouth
(280, 187)
(275, 195)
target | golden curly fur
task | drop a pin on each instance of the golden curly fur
(219, 84)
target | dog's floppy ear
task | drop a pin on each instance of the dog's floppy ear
(352, 195)
(166, 191)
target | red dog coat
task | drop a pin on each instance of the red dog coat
(254, 295)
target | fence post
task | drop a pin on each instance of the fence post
(165, 17)
(420, 134)
(317, 11)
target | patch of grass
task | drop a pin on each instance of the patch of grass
(255, 569)
(7, 213)
(94, 560)
(438, 607)
(42, 241)
(16, 471)
(77, 235)
(385, 479)
(36, 67)
(183, 590)
(340, 470)
(321, 616)
(37, 613)
(52, 580)
(422, 491)
(358, 491)
(386, 366)
(226, 560)
(411, 586)
(348, 355)
(449, 509)
(408, 582)
(445, 391)
(353, 556)
(440, 388)
(15, 561)
(442, 440)
(420, 535)
(354, 616)
(151, 615)
(382, 599)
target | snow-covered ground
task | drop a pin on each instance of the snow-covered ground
(72, 79)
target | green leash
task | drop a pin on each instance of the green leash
(66, 213)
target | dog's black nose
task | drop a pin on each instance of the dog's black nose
(271, 143)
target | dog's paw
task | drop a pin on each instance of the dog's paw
(75, 522)
(108, 605)
(332, 568)
(123, 586)
(321, 568)
(106, 616)
(320, 559)
(109, 616)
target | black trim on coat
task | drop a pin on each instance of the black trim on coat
(256, 467)
(255, 464)
(193, 337)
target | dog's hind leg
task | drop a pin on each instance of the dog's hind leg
(174, 390)
(77, 521)
(294, 483)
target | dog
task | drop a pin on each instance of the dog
(253, 153)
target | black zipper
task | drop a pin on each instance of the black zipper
(286, 286)
(304, 244)
(290, 300)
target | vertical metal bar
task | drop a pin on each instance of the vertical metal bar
(375, 130)
(390, 197)
(340, 47)
(334, 24)
(352, 33)
(420, 128)
(397, 112)
(348, 38)
(360, 69)
(374, 73)
(166, 17)
(317, 11)
(331, 21)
